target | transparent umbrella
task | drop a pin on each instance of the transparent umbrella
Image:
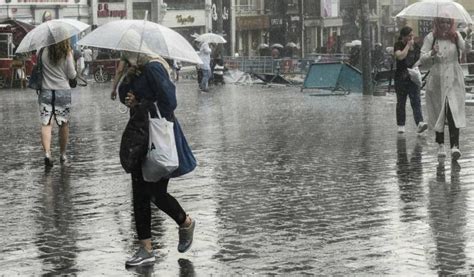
(276, 45)
(429, 9)
(49, 33)
(211, 38)
(263, 46)
(142, 36)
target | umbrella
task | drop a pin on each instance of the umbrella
(263, 46)
(356, 42)
(276, 45)
(49, 33)
(211, 38)
(142, 36)
(429, 9)
(292, 45)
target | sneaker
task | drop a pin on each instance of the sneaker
(441, 151)
(401, 129)
(47, 160)
(186, 237)
(141, 257)
(422, 126)
(455, 153)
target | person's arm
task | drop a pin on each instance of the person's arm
(428, 51)
(70, 68)
(402, 54)
(118, 75)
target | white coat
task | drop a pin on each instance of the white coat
(445, 81)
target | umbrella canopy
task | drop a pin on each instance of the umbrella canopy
(277, 45)
(429, 9)
(292, 45)
(211, 38)
(143, 37)
(263, 46)
(356, 42)
(49, 33)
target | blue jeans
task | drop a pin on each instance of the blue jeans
(206, 74)
(403, 89)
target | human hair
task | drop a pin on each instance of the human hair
(58, 51)
(405, 31)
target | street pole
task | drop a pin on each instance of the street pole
(366, 59)
(302, 28)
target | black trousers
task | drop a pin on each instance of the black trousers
(453, 131)
(143, 194)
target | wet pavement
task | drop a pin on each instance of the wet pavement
(287, 183)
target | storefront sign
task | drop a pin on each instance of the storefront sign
(252, 22)
(184, 20)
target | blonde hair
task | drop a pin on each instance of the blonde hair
(58, 51)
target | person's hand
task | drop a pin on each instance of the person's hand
(113, 95)
(130, 100)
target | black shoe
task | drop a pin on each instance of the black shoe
(186, 237)
(48, 162)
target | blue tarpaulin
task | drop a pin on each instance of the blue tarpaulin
(333, 76)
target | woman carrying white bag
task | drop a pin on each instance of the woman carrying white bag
(147, 85)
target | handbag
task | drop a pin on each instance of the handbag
(162, 155)
(415, 76)
(36, 79)
(133, 145)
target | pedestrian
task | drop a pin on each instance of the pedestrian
(205, 55)
(55, 96)
(407, 55)
(148, 80)
(445, 88)
(87, 60)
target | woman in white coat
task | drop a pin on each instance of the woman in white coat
(445, 89)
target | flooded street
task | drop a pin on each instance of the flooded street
(287, 183)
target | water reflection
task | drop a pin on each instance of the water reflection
(410, 177)
(55, 217)
(186, 268)
(447, 214)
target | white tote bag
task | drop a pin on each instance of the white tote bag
(162, 156)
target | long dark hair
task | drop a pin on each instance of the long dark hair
(405, 31)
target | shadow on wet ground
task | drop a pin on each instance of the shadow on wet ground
(287, 183)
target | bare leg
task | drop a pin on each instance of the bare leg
(63, 137)
(46, 138)
(146, 243)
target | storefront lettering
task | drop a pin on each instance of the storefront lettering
(103, 11)
(183, 20)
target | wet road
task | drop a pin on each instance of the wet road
(287, 183)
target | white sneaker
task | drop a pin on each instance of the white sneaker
(422, 126)
(455, 153)
(441, 151)
(401, 129)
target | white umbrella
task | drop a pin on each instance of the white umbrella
(143, 37)
(211, 38)
(292, 45)
(49, 33)
(356, 42)
(276, 45)
(429, 9)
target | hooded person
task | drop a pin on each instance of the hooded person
(445, 88)
(147, 81)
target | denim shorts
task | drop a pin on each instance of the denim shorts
(54, 103)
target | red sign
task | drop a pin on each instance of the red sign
(103, 11)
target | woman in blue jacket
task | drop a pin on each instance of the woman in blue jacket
(147, 81)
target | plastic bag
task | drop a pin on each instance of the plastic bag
(162, 156)
(415, 76)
